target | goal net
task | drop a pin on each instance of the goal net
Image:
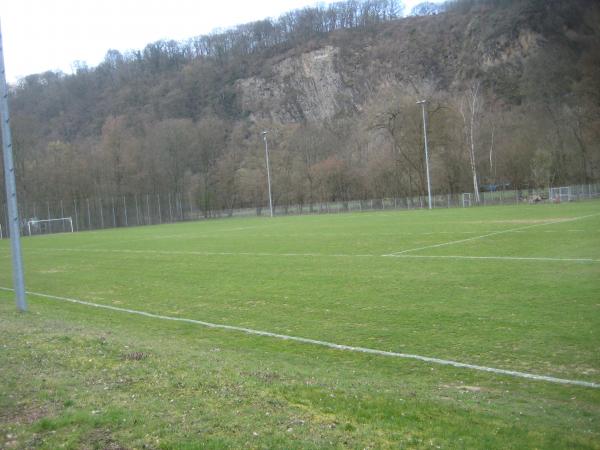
(560, 194)
(48, 226)
(466, 200)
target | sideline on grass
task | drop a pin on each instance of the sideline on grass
(332, 345)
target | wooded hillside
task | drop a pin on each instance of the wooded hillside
(513, 90)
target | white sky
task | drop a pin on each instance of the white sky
(42, 35)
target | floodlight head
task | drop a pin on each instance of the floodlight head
(264, 133)
(420, 102)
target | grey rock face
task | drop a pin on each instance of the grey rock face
(305, 87)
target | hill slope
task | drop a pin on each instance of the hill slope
(337, 88)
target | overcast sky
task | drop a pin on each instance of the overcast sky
(42, 35)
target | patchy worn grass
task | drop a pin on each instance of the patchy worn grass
(77, 376)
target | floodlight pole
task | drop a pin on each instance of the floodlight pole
(11, 189)
(423, 103)
(264, 133)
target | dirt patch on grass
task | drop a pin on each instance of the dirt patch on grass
(134, 356)
(25, 415)
(102, 438)
(466, 388)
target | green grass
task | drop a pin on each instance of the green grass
(69, 378)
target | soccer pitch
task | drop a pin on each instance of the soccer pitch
(486, 321)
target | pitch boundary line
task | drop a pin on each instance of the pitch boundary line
(331, 345)
(512, 230)
(315, 255)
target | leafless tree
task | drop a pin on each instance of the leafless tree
(471, 110)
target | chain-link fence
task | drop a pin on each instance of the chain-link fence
(153, 209)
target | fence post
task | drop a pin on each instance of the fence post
(76, 215)
(125, 210)
(89, 214)
(180, 200)
(101, 213)
(112, 203)
(137, 210)
(148, 208)
(159, 213)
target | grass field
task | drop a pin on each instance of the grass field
(514, 288)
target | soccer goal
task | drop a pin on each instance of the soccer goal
(560, 194)
(47, 226)
(466, 200)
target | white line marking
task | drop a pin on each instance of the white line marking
(350, 348)
(203, 253)
(499, 258)
(512, 230)
(311, 255)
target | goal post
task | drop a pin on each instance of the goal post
(466, 200)
(560, 194)
(48, 226)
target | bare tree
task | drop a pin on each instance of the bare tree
(210, 141)
(471, 108)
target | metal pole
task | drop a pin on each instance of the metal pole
(89, 214)
(76, 216)
(101, 213)
(422, 103)
(158, 203)
(125, 210)
(268, 170)
(148, 208)
(11, 191)
(112, 202)
(180, 202)
(62, 214)
(137, 211)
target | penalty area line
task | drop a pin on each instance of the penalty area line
(511, 230)
(331, 345)
(497, 258)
